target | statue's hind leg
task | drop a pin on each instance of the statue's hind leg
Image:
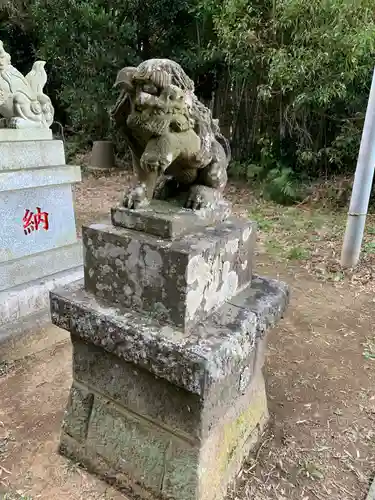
(214, 176)
(210, 183)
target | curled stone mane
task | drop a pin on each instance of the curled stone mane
(165, 72)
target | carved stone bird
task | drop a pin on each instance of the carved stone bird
(37, 78)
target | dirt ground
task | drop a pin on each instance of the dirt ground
(320, 372)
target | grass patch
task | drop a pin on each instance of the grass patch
(295, 233)
(313, 238)
(298, 253)
(369, 349)
(369, 247)
(273, 247)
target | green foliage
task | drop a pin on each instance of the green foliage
(289, 80)
(86, 42)
(298, 253)
(369, 247)
(311, 62)
(278, 182)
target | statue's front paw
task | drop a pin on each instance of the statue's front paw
(202, 197)
(136, 197)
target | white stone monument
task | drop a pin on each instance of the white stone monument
(38, 243)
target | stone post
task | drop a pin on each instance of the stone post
(169, 332)
(102, 157)
(38, 241)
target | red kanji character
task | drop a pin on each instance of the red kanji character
(41, 218)
(31, 221)
(28, 222)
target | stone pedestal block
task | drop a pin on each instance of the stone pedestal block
(168, 220)
(169, 333)
(38, 241)
(180, 281)
(161, 413)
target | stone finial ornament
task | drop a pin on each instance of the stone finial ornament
(176, 145)
(23, 104)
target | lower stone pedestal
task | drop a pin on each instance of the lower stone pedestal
(162, 413)
(146, 461)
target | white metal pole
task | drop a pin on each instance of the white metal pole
(362, 186)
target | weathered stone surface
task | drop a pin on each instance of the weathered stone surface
(180, 282)
(143, 459)
(128, 444)
(169, 220)
(170, 151)
(230, 441)
(182, 470)
(137, 389)
(76, 418)
(162, 413)
(171, 407)
(204, 472)
(197, 361)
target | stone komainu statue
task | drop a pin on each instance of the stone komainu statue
(176, 145)
(23, 104)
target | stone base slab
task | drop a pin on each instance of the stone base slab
(36, 266)
(169, 220)
(29, 154)
(42, 176)
(202, 361)
(20, 302)
(149, 462)
(27, 134)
